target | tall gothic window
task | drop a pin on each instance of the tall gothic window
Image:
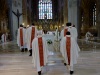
(94, 15)
(45, 9)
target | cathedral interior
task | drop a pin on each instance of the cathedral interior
(49, 15)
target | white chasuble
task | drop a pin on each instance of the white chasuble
(31, 33)
(40, 52)
(20, 37)
(69, 49)
(64, 31)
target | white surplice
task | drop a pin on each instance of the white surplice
(28, 36)
(73, 50)
(73, 32)
(62, 34)
(18, 37)
(35, 53)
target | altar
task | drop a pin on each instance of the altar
(49, 37)
(52, 43)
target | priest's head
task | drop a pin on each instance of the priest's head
(21, 25)
(68, 33)
(33, 24)
(68, 24)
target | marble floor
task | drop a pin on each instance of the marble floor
(13, 62)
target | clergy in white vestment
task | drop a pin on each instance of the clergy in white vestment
(39, 52)
(69, 49)
(67, 28)
(30, 35)
(72, 29)
(3, 38)
(21, 38)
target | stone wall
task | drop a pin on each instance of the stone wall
(98, 17)
(16, 7)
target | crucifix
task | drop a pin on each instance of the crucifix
(17, 15)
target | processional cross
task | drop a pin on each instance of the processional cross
(17, 15)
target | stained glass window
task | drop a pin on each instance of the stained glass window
(45, 9)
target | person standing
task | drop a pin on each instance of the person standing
(3, 38)
(25, 45)
(63, 32)
(69, 49)
(39, 52)
(21, 38)
(30, 35)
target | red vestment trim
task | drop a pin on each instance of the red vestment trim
(68, 47)
(32, 36)
(65, 30)
(21, 37)
(40, 45)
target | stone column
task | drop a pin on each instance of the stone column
(24, 6)
(73, 12)
(98, 17)
(1, 25)
(85, 25)
(65, 11)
